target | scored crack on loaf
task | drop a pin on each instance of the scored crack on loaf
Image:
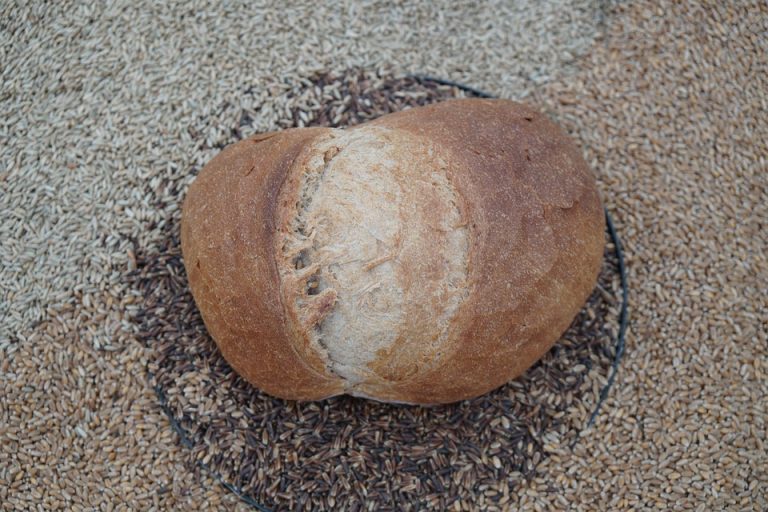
(425, 257)
(374, 253)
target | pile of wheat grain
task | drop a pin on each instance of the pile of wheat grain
(105, 109)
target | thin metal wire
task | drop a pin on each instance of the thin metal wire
(619, 347)
(623, 317)
(442, 81)
(187, 443)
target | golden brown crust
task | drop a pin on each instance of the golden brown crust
(227, 232)
(535, 242)
(537, 235)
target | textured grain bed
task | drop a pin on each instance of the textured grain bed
(106, 113)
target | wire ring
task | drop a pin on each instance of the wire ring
(619, 347)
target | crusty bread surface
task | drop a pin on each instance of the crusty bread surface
(425, 257)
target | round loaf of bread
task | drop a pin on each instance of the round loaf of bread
(426, 257)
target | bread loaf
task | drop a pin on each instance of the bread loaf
(425, 257)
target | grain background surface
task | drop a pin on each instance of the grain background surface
(107, 110)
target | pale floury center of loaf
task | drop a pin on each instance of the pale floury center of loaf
(374, 259)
